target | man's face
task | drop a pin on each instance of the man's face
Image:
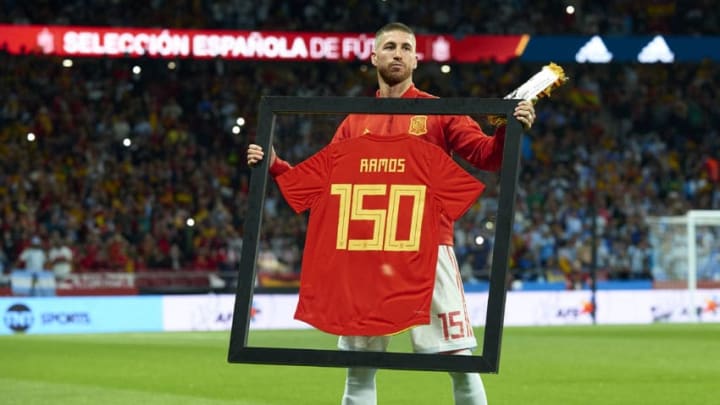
(394, 56)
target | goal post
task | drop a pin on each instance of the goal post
(686, 251)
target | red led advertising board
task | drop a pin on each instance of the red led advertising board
(74, 41)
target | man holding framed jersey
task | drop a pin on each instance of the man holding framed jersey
(449, 330)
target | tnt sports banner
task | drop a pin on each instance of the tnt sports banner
(80, 314)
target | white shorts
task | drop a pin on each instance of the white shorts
(449, 329)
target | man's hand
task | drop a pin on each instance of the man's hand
(255, 154)
(525, 113)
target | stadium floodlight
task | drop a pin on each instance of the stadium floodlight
(485, 362)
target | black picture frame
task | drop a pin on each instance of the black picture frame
(485, 362)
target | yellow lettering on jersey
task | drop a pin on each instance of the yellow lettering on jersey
(344, 191)
(385, 222)
(418, 125)
(376, 216)
(412, 244)
(382, 165)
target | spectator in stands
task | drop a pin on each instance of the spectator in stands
(155, 259)
(33, 257)
(269, 264)
(118, 258)
(91, 257)
(176, 258)
(60, 257)
(204, 260)
(467, 269)
(620, 263)
(640, 256)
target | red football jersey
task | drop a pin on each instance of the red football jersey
(371, 247)
(458, 134)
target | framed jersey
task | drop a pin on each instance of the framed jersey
(378, 202)
(368, 267)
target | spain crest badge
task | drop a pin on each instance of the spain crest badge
(418, 125)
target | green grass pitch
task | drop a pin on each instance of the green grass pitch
(649, 364)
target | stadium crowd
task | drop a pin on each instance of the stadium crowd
(140, 171)
(611, 17)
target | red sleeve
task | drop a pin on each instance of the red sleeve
(303, 184)
(455, 189)
(279, 167)
(467, 140)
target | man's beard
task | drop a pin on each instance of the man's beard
(393, 78)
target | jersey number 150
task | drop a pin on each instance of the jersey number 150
(385, 221)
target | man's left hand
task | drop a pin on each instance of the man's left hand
(525, 113)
